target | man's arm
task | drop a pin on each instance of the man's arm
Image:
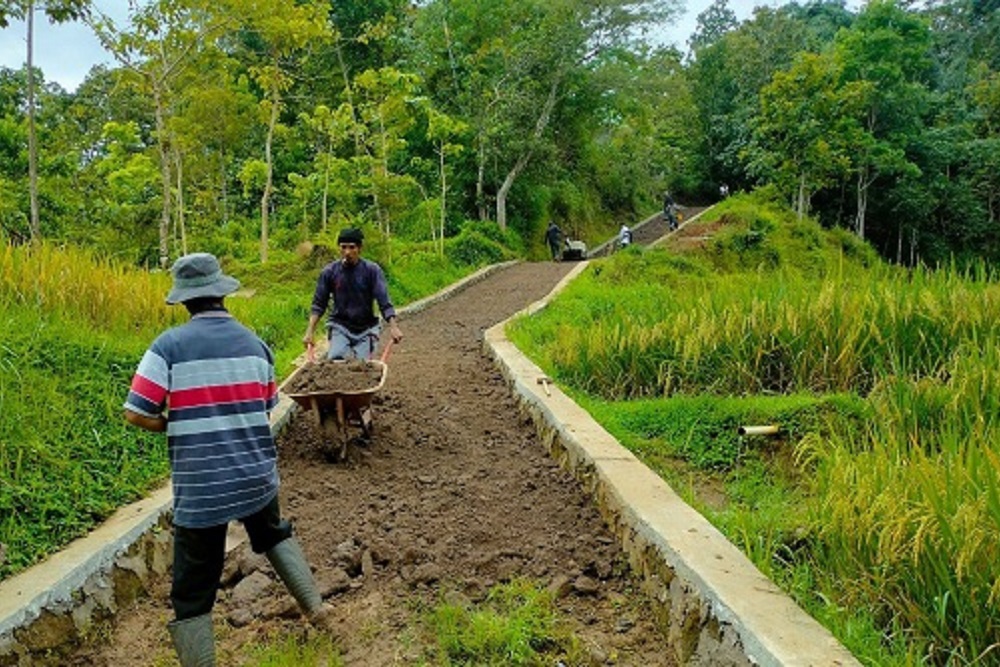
(381, 294)
(310, 336)
(156, 424)
(321, 298)
(394, 330)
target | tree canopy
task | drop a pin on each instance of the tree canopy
(266, 124)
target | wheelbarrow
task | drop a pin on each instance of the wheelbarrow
(339, 414)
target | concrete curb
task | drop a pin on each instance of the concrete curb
(713, 605)
(49, 608)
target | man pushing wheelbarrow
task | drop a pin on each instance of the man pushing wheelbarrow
(354, 285)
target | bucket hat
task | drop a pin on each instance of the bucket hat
(199, 275)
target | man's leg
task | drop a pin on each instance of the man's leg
(272, 536)
(340, 343)
(198, 559)
(363, 344)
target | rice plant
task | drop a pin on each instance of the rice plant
(896, 505)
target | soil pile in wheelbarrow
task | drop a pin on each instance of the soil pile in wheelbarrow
(333, 375)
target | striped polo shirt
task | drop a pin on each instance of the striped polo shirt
(216, 380)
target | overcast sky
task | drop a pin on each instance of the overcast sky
(65, 53)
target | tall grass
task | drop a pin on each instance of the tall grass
(762, 332)
(902, 510)
(73, 330)
(73, 327)
(84, 289)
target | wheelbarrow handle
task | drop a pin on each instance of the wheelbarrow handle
(310, 352)
(385, 352)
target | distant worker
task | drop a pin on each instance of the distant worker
(553, 237)
(723, 191)
(624, 236)
(354, 285)
(669, 211)
(210, 384)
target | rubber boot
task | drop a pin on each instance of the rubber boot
(194, 641)
(290, 564)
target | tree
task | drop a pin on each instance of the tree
(806, 127)
(386, 112)
(727, 77)
(712, 24)
(58, 11)
(887, 48)
(331, 127)
(165, 37)
(441, 129)
(505, 65)
(282, 29)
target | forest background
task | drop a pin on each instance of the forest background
(248, 127)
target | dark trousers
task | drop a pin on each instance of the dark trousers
(199, 555)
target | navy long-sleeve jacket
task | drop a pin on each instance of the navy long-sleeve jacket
(355, 290)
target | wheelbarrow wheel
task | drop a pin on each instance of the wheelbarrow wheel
(334, 433)
(334, 451)
(367, 423)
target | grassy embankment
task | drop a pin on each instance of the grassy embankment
(74, 328)
(878, 507)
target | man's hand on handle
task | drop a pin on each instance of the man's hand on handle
(394, 331)
(308, 340)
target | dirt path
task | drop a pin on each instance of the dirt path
(454, 495)
(657, 227)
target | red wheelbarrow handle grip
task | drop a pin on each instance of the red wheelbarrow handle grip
(385, 352)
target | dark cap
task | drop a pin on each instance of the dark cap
(351, 236)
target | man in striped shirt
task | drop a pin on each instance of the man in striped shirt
(210, 384)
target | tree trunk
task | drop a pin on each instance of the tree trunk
(508, 182)
(444, 194)
(162, 145)
(540, 125)
(899, 243)
(863, 183)
(181, 221)
(326, 186)
(800, 205)
(383, 220)
(34, 224)
(225, 187)
(484, 213)
(265, 199)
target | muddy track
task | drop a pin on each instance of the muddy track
(453, 495)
